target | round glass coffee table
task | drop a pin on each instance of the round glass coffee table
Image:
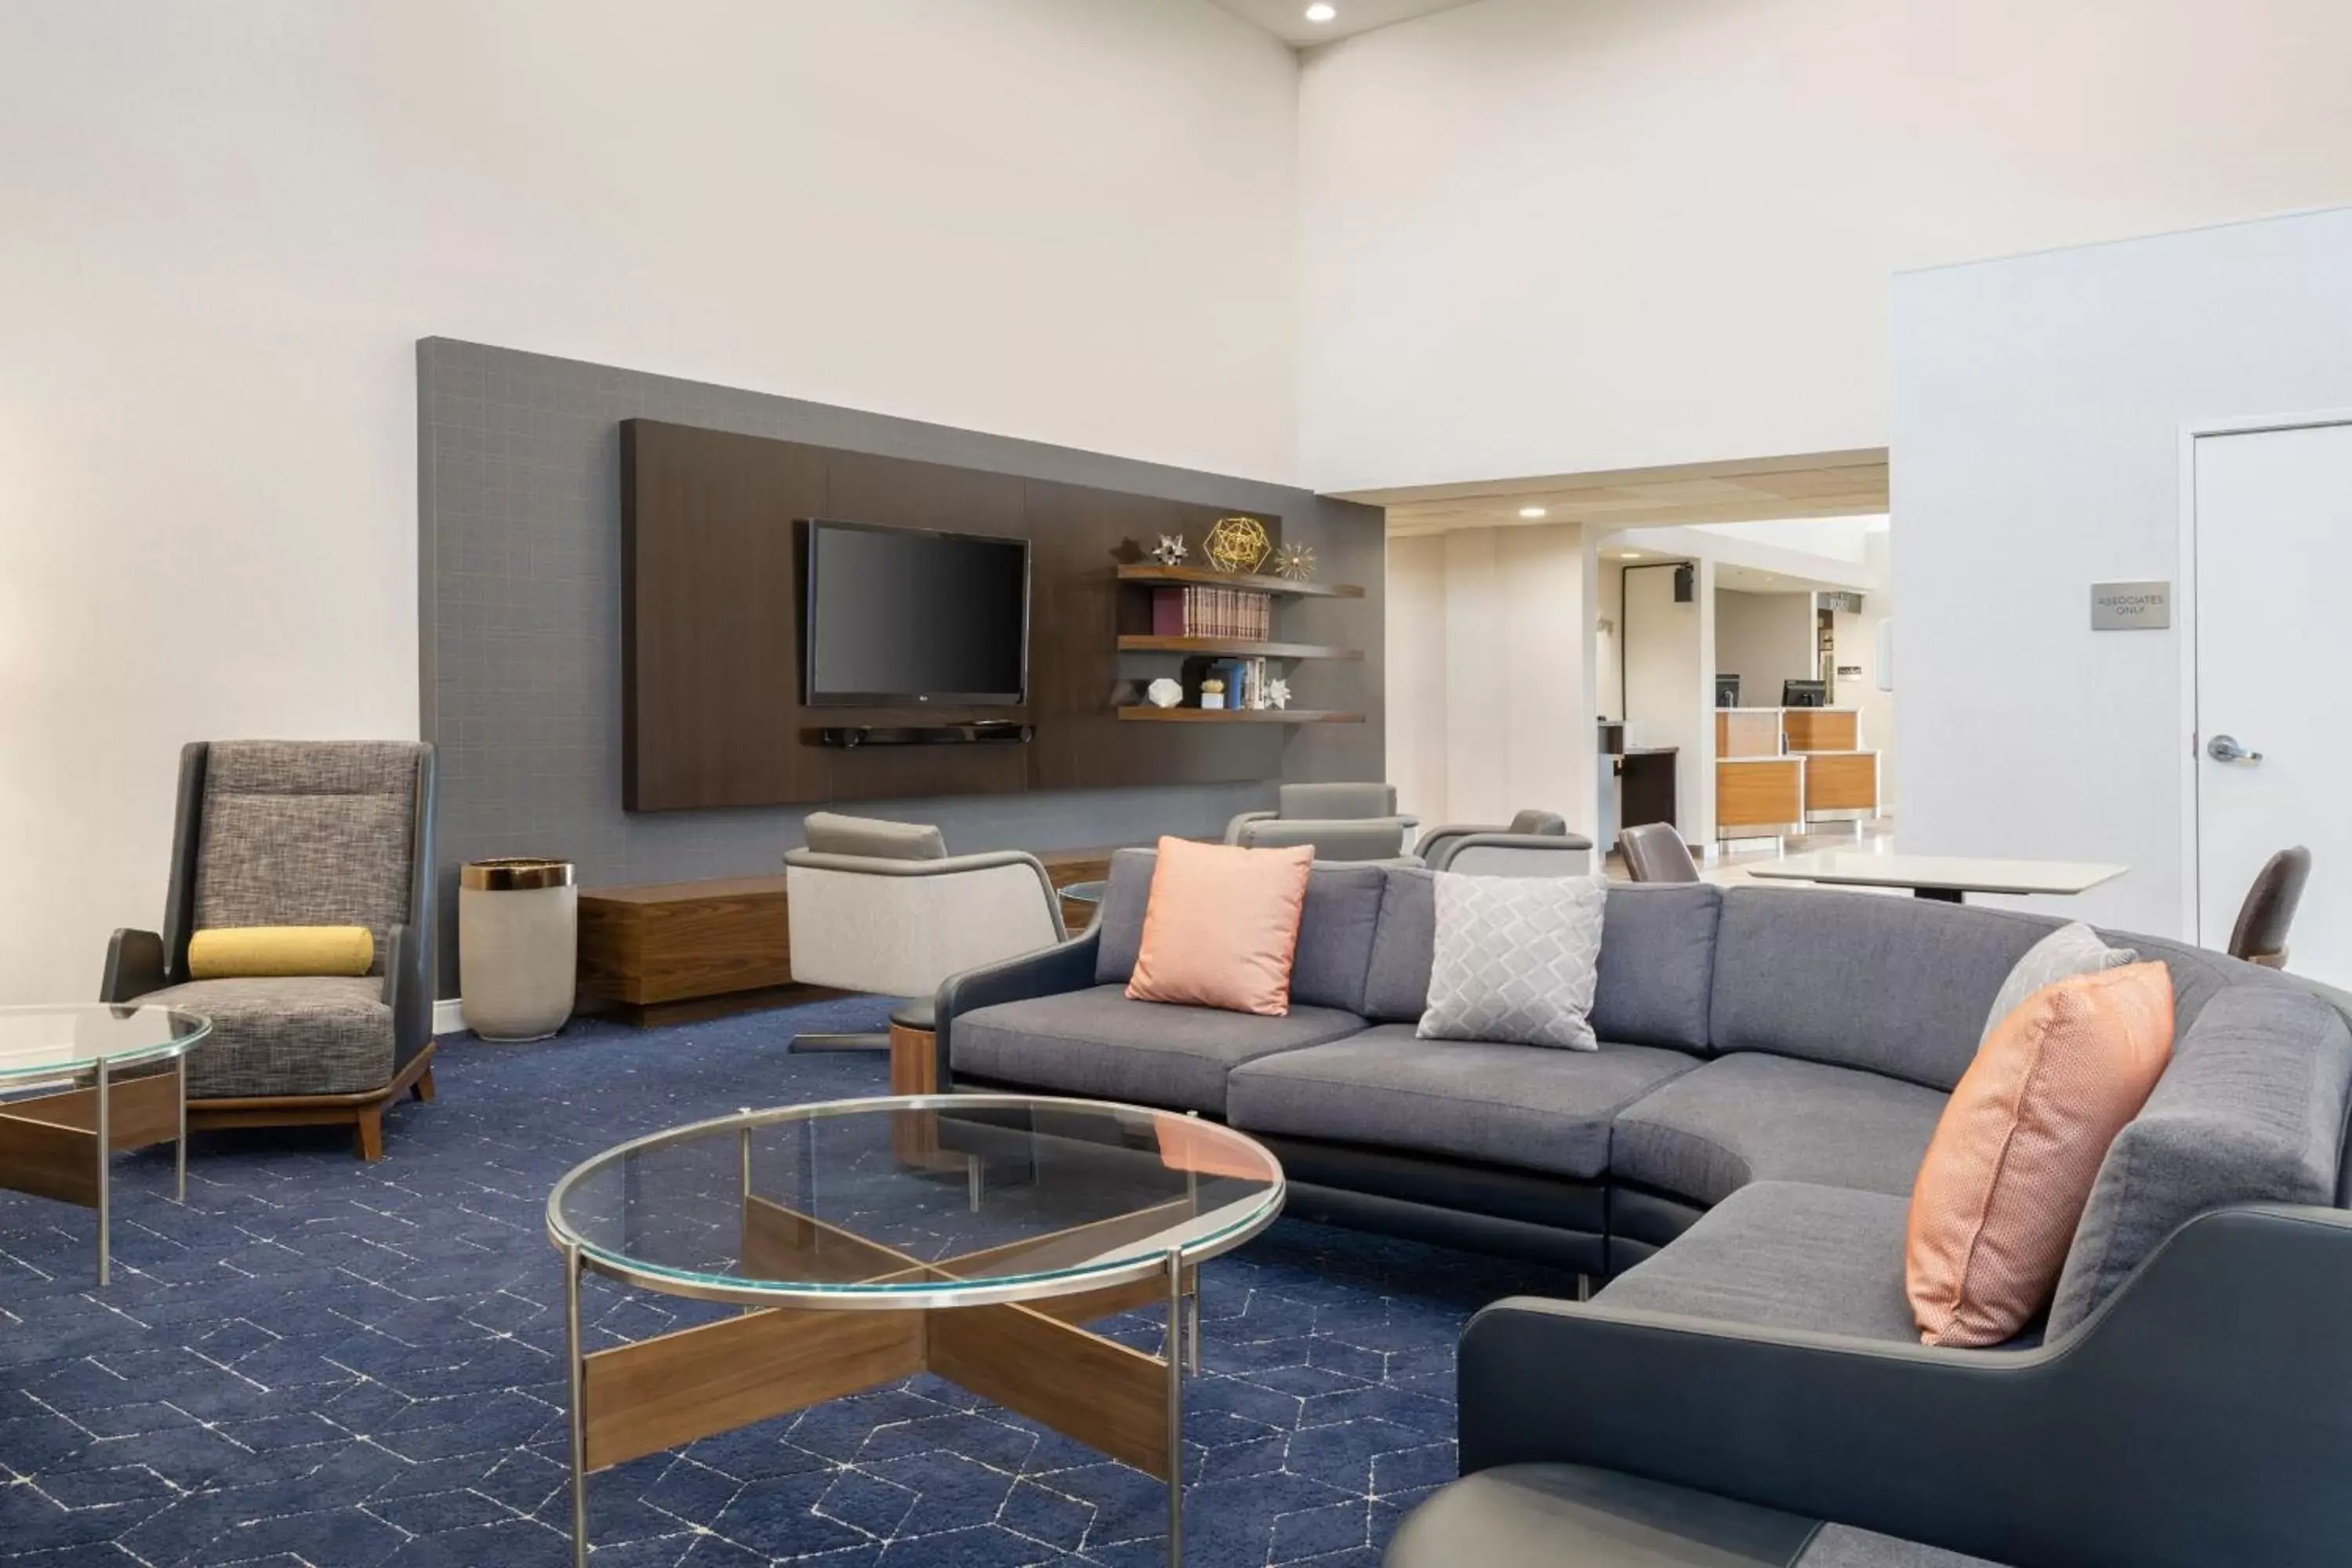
(79, 1082)
(869, 1240)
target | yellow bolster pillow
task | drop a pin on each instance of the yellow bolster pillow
(245, 952)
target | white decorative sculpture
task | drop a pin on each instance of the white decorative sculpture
(1164, 693)
(1277, 693)
(1171, 552)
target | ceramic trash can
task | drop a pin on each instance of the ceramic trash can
(518, 946)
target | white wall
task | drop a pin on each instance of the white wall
(2038, 406)
(1764, 639)
(1609, 604)
(1490, 694)
(1670, 685)
(1542, 238)
(225, 226)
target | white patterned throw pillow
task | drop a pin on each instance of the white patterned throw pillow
(2071, 949)
(1515, 960)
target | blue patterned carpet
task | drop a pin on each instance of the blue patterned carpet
(330, 1364)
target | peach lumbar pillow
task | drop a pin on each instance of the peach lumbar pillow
(1222, 926)
(2014, 1157)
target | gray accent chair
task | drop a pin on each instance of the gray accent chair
(1655, 852)
(298, 833)
(882, 907)
(2260, 934)
(1533, 843)
(1339, 821)
(1735, 1162)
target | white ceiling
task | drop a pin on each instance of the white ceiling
(1818, 484)
(1286, 20)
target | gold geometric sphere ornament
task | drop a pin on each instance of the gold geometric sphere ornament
(1296, 561)
(1236, 544)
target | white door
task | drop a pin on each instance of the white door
(2274, 629)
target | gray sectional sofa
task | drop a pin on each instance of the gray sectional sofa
(1736, 1163)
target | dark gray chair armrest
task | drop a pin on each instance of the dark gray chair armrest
(408, 990)
(134, 966)
(2198, 1417)
(1070, 966)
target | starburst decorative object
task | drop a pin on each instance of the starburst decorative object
(1236, 544)
(1171, 552)
(1296, 561)
(1277, 693)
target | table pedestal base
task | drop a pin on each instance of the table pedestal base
(1031, 1358)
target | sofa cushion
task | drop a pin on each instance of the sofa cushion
(1784, 1255)
(1656, 969)
(310, 1034)
(1556, 1515)
(1899, 986)
(1525, 1106)
(1335, 930)
(1754, 1118)
(2251, 1111)
(2198, 973)
(1096, 1043)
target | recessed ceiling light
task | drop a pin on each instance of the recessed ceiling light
(1532, 511)
(1629, 555)
(1322, 13)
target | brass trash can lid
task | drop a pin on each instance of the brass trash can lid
(514, 874)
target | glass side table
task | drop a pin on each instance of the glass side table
(79, 1082)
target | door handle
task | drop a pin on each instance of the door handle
(2225, 749)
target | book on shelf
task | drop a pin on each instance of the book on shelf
(1240, 613)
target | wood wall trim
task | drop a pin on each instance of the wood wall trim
(710, 630)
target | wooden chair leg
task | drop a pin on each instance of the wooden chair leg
(423, 1088)
(368, 1134)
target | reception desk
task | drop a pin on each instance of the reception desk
(1778, 769)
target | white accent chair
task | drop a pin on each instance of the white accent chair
(882, 907)
(1534, 844)
(1342, 821)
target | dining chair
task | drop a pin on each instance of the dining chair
(2260, 935)
(1655, 852)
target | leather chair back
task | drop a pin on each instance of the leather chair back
(1335, 801)
(2260, 935)
(1655, 852)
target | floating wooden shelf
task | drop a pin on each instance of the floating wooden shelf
(1236, 647)
(1240, 716)
(1202, 577)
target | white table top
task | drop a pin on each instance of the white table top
(1958, 873)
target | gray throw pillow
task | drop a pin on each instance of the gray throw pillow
(1515, 959)
(2068, 951)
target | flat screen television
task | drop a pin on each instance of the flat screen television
(908, 618)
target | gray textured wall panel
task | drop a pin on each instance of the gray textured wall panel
(519, 572)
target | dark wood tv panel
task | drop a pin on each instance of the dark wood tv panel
(711, 598)
(669, 952)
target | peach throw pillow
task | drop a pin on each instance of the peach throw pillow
(1222, 926)
(2012, 1161)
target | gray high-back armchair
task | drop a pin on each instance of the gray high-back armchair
(273, 832)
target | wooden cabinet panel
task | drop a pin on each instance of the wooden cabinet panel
(1764, 793)
(1842, 781)
(1822, 729)
(1746, 732)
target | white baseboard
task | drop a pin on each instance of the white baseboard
(448, 1016)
